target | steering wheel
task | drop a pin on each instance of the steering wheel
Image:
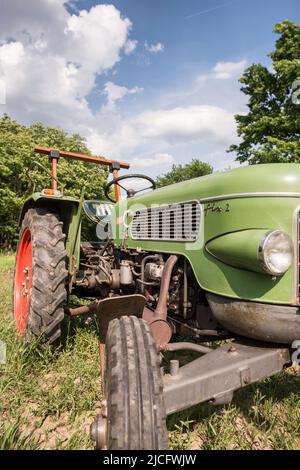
(129, 192)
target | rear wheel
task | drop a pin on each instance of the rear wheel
(136, 416)
(40, 276)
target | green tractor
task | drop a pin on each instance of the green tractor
(210, 259)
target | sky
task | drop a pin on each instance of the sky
(149, 82)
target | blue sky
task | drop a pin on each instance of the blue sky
(151, 82)
(234, 30)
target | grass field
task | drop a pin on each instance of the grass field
(48, 399)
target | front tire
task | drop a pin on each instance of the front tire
(40, 276)
(136, 417)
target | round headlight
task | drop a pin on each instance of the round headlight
(276, 252)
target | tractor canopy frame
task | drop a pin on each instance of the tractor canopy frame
(55, 154)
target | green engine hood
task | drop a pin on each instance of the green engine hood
(267, 178)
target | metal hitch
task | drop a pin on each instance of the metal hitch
(218, 373)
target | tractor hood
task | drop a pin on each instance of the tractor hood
(223, 214)
(268, 178)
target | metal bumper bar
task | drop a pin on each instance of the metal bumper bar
(217, 374)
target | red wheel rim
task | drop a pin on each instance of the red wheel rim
(23, 281)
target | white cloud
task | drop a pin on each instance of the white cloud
(11, 54)
(30, 21)
(130, 46)
(2, 91)
(182, 124)
(119, 139)
(115, 93)
(95, 38)
(49, 67)
(52, 62)
(159, 160)
(154, 48)
(223, 71)
(162, 129)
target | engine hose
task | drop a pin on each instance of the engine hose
(146, 283)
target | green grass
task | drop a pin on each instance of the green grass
(49, 399)
(7, 260)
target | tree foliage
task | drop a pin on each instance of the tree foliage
(270, 131)
(16, 157)
(184, 172)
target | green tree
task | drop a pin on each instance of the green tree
(184, 172)
(16, 157)
(270, 131)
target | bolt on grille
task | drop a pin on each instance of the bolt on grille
(172, 222)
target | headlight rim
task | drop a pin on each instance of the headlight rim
(261, 253)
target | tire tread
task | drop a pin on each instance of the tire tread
(134, 388)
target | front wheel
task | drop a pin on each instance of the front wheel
(136, 418)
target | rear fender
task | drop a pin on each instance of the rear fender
(69, 210)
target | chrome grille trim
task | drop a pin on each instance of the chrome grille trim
(250, 195)
(169, 222)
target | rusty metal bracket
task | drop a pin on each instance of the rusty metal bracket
(54, 154)
(115, 307)
(114, 166)
(53, 158)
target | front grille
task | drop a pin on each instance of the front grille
(172, 222)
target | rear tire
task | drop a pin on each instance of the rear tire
(136, 417)
(40, 270)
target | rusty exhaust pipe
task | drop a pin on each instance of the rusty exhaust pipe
(157, 320)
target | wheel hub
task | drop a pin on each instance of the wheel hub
(98, 432)
(23, 281)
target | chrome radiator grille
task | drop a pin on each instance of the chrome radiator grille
(172, 222)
